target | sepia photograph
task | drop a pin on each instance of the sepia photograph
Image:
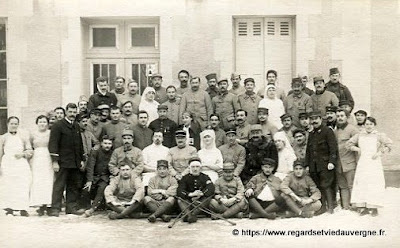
(199, 123)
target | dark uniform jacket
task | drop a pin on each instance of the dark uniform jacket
(97, 99)
(190, 183)
(168, 128)
(97, 166)
(341, 91)
(65, 144)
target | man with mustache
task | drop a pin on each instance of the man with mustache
(322, 98)
(128, 117)
(164, 125)
(268, 129)
(232, 152)
(212, 89)
(249, 101)
(272, 78)
(132, 95)
(225, 105)
(297, 102)
(103, 96)
(114, 128)
(119, 89)
(94, 125)
(304, 80)
(173, 104)
(341, 91)
(242, 127)
(183, 77)
(300, 144)
(236, 89)
(161, 94)
(143, 135)
(330, 116)
(220, 136)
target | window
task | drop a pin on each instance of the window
(103, 36)
(106, 70)
(145, 36)
(3, 79)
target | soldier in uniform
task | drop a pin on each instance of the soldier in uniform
(197, 102)
(132, 95)
(322, 158)
(127, 154)
(305, 125)
(103, 96)
(161, 93)
(195, 187)
(301, 194)
(173, 104)
(249, 101)
(119, 89)
(242, 127)
(288, 127)
(212, 89)
(232, 152)
(128, 117)
(105, 113)
(143, 135)
(272, 77)
(322, 98)
(225, 105)
(161, 191)
(298, 102)
(124, 194)
(220, 136)
(178, 156)
(229, 194)
(263, 191)
(114, 128)
(83, 105)
(165, 125)
(304, 80)
(268, 129)
(236, 89)
(257, 149)
(183, 77)
(346, 105)
(94, 125)
(300, 144)
(341, 91)
(330, 116)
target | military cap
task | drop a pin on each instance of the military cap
(228, 166)
(255, 127)
(299, 162)
(103, 106)
(262, 109)
(83, 98)
(211, 76)
(162, 106)
(162, 163)
(331, 108)
(249, 80)
(180, 133)
(303, 115)
(344, 102)
(95, 111)
(318, 78)
(299, 131)
(269, 161)
(194, 159)
(230, 130)
(223, 80)
(296, 80)
(156, 75)
(127, 132)
(284, 116)
(333, 71)
(315, 113)
(80, 117)
(361, 112)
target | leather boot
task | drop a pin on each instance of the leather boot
(345, 198)
(323, 204)
(216, 207)
(161, 210)
(259, 210)
(292, 205)
(330, 200)
(233, 210)
(128, 210)
(151, 206)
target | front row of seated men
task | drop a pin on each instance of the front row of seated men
(264, 195)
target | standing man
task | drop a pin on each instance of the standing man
(232, 152)
(183, 77)
(305, 124)
(103, 96)
(322, 158)
(83, 105)
(220, 136)
(242, 127)
(94, 125)
(330, 116)
(288, 127)
(132, 95)
(114, 128)
(60, 113)
(142, 134)
(236, 89)
(249, 101)
(225, 105)
(322, 98)
(341, 91)
(161, 94)
(128, 117)
(197, 102)
(105, 113)
(164, 125)
(304, 80)
(212, 89)
(172, 103)
(119, 89)
(272, 78)
(66, 150)
(297, 102)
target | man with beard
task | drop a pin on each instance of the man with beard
(197, 102)
(341, 91)
(66, 150)
(257, 149)
(268, 129)
(236, 89)
(288, 127)
(242, 127)
(94, 125)
(322, 98)
(225, 105)
(132, 95)
(161, 94)
(361, 117)
(212, 89)
(297, 102)
(220, 136)
(347, 159)
(83, 105)
(114, 128)
(172, 104)
(126, 154)
(143, 135)
(232, 152)
(249, 101)
(183, 77)
(164, 125)
(272, 77)
(105, 113)
(119, 89)
(300, 144)
(178, 156)
(97, 174)
(103, 96)
(128, 117)
(322, 158)
(330, 116)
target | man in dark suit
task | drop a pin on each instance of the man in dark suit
(66, 150)
(321, 158)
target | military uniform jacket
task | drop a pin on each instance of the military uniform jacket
(235, 154)
(237, 91)
(168, 128)
(220, 137)
(119, 95)
(97, 166)
(322, 149)
(143, 136)
(167, 183)
(347, 158)
(173, 110)
(133, 157)
(135, 99)
(341, 91)
(295, 105)
(95, 129)
(65, 144)
(229, 189)
(124, 190)
(250, 104)
(212, 93)
(300, 151)
(302, 187)
(225, 106)
(243, 132)
(190, 183)
(321, 101)
(161, 95)
(114, 129)
(97, 99)
(178, 159)
(198, 103)
(257, 183)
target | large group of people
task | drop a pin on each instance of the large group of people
(227, 151)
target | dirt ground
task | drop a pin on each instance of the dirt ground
(99, 231)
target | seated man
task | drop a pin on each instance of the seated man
(300, 192)
(161, 191)
(195, 190)
(263, 192)
(97, 174)
(124, 194)
(229, 194)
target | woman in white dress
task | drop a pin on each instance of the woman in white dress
(369, 181)
(41, 166)
(148, 104)
(210, 156)
(274, 105)
(15, 180)
(286, 155)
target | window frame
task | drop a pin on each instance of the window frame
(144, 49)
(119, 69)
(117, 34)
(4, 21)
